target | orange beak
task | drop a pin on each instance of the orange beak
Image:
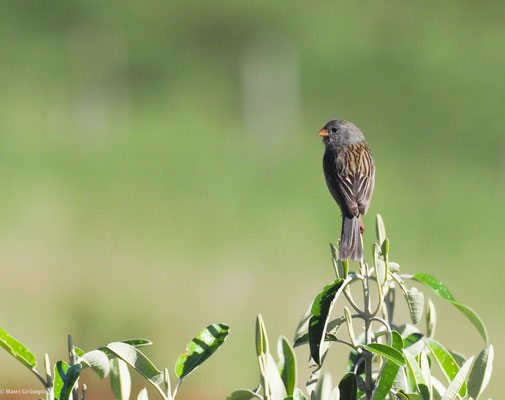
(323, 133)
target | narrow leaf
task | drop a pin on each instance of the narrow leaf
(261, 337)
(385, 249)
(136, 359)
(137, 342)
(97, 360)
(431, 319)
(69, 381)
(274, 380)
(321, 308)
(381, 229)
(458, 382)
(425, 369)
(304, 339)
(17, 349)
(60, 372)
(303, 325)
(200, 349)
(243, 394)
(80, 352)
(350, 328)
(446, 362)
(389, 371)
(287, 364)
(120, 380)
(440, 289)
(324, 387)
(417, 375)
(481, 372)
(458, 357)
(387, 351)
(380, 266)
(348, 387)
(341, 266)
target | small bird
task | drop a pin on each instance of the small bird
(350, 175)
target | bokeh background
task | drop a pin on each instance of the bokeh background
(161, 169)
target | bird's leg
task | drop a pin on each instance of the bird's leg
(361, 225)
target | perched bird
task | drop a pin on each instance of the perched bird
(350, 175)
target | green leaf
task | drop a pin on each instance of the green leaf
(287, 364)
(387, 351)
(80, 352)
(481, 372)
(136, 359)
(243, 394)
(274, 380)
(143, 395)
(97, 360)
(348, 387)
(445, 361)
(417, 374)
(324, 387)
(431, 319)
(401, 395)
(440, 289)
(304, 339)
(415, 298)
(412, 339)
(425, 369)
(321, 308)
(200, 349)
(438, 388)
(458, 382)
(261, 337)
(389, 371)
(120, 380)
(131, 342)
(385, 249)
(458, 357)
(350, 328)
(60, 372)
(137, 342)
(17, 349)
(303, 326)
(69, 380)
(341, 266)
(380, 265)
(401, 379)
(381, 229)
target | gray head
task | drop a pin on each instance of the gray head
(338, 132)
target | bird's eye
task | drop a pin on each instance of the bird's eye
(333, 130)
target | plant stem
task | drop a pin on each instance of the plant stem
(40, 378)
(368, 321)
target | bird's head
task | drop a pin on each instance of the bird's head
(340, 132)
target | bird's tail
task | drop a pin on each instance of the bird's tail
(350, 241)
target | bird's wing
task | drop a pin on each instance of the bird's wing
(354, 178)
(364, 176)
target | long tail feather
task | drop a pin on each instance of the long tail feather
(350, 241)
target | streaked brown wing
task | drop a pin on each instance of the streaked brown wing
(355, 177)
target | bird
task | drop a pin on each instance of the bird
(349, 171)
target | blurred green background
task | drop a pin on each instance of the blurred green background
(161, 168)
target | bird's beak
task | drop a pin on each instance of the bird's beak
(323, 133)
